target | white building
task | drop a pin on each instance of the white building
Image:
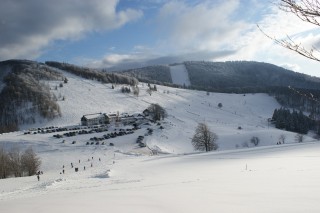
(94, 119)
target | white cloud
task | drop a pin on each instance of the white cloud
(206, 26)
(224, 30)
(28, 26)
(110, 60)
(254, 45)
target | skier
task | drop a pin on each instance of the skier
(38, 176)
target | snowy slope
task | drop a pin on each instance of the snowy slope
(274, 179)
(179, 75)
(236, 178)
(186, 108)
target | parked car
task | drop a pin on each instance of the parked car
(142, 145)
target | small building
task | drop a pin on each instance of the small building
(94, 119)
(113, 117)
(127, 119)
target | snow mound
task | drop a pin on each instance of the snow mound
(104, 174)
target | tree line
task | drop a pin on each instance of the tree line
(15, 163)
(292, 121)
(306, 100)
(151, 74)
(93, 74)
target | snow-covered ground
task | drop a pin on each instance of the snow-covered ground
(179, 75)
(270, 179)
(236, 178)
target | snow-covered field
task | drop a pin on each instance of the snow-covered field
(236, 178)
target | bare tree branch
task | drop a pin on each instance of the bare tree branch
(307, 11)
(291, 45)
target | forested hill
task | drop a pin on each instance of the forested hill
(26, 95)
(232, 76)
(157, 74)
(94, 74)
(235, 75)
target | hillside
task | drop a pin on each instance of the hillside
(185, 108)
(156, 73)
(29, 91)
(232, 76)
(172, 177)
(245, 74)
(25, 98)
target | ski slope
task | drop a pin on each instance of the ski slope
(179, 75)
(238, 177)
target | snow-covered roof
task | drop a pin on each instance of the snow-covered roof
(93, 116)
(112, 115)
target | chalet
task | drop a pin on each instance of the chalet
(94, 119)
(112, 118)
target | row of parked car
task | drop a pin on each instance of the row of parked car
(98, 143)
(95, 130)
(80, 129)
(46, 130)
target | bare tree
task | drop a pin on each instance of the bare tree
(282, 138)
(255, 140)
(15, 161)
(307, 11)
(30, 162)
(204, 139)
(157, 112)
(3, 163)
(299, 138)
(136, 90)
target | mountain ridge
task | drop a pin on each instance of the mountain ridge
(27, 88)
(230, 76)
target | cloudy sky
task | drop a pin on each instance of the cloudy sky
(125, 33)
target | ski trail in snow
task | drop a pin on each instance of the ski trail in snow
(179, 75)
